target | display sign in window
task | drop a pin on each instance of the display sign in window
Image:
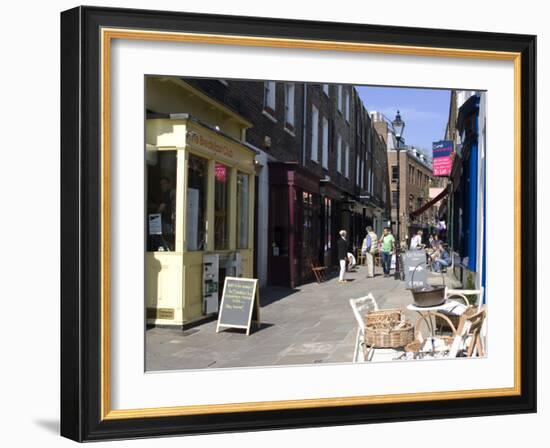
(196, 202)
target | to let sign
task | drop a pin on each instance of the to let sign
(442, 158)
(240, 300)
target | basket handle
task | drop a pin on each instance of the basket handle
(414, 272)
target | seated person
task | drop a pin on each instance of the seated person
(442, 259)
(435, 242)
(416, 242)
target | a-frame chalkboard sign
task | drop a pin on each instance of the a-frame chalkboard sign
(240, 304)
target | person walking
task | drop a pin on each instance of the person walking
(388, 248)
(369, 249)
(342, 246)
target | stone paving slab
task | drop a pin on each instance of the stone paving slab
(311, 324)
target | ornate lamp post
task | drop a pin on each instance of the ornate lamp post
(398, 126)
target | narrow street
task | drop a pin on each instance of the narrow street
(311, 324)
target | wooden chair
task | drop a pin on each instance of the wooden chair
(360, 307)
(470, 329)
(318, 271)
(361, 258)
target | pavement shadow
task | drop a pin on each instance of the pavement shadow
(272, 294)
(253, 328)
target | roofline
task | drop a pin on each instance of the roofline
(236, 116)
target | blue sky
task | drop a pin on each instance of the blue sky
(425, 111)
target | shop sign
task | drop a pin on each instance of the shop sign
(442, 157)
(240, 304)
(416, 272)
(201, 141)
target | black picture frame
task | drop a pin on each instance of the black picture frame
(81, 211)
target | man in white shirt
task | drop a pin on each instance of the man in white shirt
(416, 241)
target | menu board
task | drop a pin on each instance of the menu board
(414, 262)
(240, 300)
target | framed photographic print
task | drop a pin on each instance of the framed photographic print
(276, 224)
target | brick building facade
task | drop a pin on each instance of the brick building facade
(320, 168)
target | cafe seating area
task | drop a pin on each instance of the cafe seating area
(452, 329)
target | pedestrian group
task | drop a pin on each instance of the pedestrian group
(372, 245)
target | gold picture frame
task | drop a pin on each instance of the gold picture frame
(105, 26)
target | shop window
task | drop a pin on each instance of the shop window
(279, 219)
(242, 210)
(307, 235)
(196, 203)
(161, 200)
(221, 206)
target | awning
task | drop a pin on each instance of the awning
(431, 203)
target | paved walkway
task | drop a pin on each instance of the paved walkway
(311, 324)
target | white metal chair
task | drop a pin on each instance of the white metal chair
(360, 307)
(466, 340)
(460, 294)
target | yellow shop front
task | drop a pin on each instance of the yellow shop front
(200, 217)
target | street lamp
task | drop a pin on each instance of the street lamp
(398, 126)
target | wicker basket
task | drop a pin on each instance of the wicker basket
(387, 329)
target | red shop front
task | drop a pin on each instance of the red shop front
(294, 224)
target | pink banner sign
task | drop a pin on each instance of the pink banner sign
(442, 158)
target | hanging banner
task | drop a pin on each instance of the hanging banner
(442, 158)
